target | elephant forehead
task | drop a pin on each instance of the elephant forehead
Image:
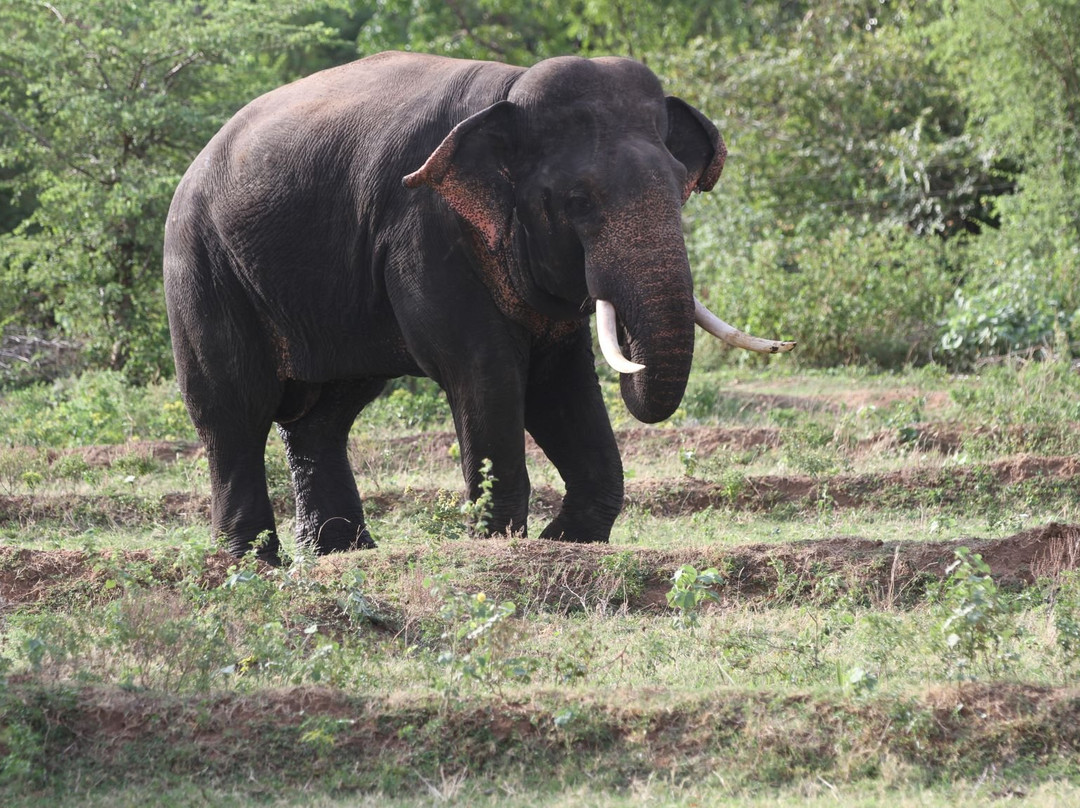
(586, 135)
(570, 85)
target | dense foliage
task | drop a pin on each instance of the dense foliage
(102, 107)
(901, 183)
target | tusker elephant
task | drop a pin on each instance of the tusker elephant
(410, 214)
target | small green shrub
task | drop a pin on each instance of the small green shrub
(479, 640)
(689, 590)
(444, 519)
(977, 629)
(478, 513)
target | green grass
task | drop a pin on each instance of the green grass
(843, 660)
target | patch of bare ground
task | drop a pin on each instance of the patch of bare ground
(952, 484)
(258, 739)
(103, 456)
(28, 576)
(561, 576)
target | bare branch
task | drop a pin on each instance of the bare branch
(55, 12)
(175, 70)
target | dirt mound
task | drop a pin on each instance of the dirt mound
(911, 485)
(554, 575)
(31, 576)
(105, 510)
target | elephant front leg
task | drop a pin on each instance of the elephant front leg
(491, 428)
(565, 414)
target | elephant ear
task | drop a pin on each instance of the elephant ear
(470, 170)
(696, 143)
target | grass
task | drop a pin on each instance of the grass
(847, 653)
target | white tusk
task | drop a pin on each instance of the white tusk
(731, 335)
(609, 339)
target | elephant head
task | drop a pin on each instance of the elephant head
(574, 184)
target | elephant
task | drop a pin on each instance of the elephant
(410, 214)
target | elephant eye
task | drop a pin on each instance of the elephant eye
(545, 199)
(578, 204)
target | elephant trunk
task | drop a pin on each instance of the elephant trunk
(638, 276)
(647, 291)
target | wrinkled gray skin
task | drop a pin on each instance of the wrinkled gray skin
(414, 215)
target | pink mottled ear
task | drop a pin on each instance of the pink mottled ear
(470, 169)
(696, 143)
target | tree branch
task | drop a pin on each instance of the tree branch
(455, 6)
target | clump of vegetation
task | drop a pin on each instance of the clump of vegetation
(479, 641)
(98, 407)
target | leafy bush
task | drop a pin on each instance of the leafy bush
(999, 315)
(861, 295)
(105, 104)
(689, 590)
(978, 629)
(480, 639)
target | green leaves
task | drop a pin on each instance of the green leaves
(689, 589)
(977, 629)
(858, 133)
(102, 107)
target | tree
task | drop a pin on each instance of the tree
(102, 107)
(1018, 67)
(524, 31)
(844, 114)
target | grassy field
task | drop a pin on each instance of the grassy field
(825, 587)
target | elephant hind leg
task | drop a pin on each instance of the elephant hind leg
(329, 513)
(231, 394)
(241, 513)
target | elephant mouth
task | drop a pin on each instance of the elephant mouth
(607, 329)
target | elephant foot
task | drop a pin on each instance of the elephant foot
(558, 530)
(266, 548)
(271, 559)
(342, 536)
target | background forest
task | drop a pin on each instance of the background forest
(901, 188)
